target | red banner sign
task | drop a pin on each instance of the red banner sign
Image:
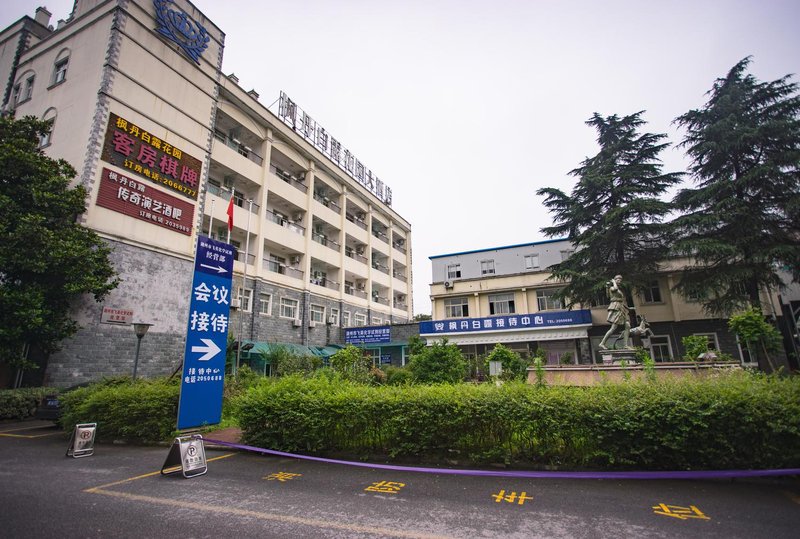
(130, 147)
(136, 199)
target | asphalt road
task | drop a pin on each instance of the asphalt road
(119, 492)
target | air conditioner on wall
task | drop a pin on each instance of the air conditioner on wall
(297, 322)
(312, 324)
(448, 284)
(331, 319)
(235, 303)
(295, 259)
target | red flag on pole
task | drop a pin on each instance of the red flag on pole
(230, 214)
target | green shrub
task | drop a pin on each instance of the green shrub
(352, 363)
(144, 411)
(514, 367)
(21, 403)
(398, 376)
(284, 362)
(439, 363)
(695, 346)
(729, 421)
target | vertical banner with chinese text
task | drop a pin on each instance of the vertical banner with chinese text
(207, 334)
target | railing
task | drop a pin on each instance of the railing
(355, 256)
(277, 219)
(399, 276)
(328, 203)
(400, 305)
(282, 269)
(328, 283)
(380, 267)
(239, 148)
(355, 292)
(251, 259)
(381, 300)
(288, 178)
(380, 235)
(358, 222)
(319, 238)
(400, 247)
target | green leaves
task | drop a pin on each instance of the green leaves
(48, 260)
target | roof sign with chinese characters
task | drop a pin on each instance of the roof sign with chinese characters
(206, 337)
(129, 146)
(136, 199)
(179, 27)
(302, 123)
(368, 335)
(511, 322)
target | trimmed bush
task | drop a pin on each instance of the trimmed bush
(144, 411)
(21, 403)
(732, 421)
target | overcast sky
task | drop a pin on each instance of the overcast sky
(465, 108)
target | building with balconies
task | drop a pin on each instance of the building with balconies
(163, 140)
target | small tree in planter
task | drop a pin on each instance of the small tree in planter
(514, 367)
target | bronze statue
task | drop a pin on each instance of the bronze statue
(618, 313)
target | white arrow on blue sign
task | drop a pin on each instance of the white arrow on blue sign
(206, 335)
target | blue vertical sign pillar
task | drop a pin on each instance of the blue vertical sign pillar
(207, 335)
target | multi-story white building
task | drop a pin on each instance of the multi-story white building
(505, 295)
(162, 139)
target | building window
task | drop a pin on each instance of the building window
(60, 70)
(28, 93)
(487, 267)
(501, 304)
(546, 301)
(652, 293)
(360, 319)
(15, 93)
(531, 261)
(456, 308)
(566, 254)
(713, 343)
(246, 301)
(334, 318)
(660, 348)
(318, 314)
(376, 321)
(46, 139)
(265, 304)
(346, 319)
(454, 271)
(288, 308)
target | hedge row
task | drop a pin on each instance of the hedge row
(144, 411)
(21, 403)
(733, 421)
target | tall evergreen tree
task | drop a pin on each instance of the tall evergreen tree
(741, 222)
(47, 259)
(614, 214)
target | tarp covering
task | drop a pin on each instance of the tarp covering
(260, 347)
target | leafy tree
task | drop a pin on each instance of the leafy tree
(742, 220)
(422, 317)
(438, 363)
(47, 258)
(758, 335)
(514, 367)
(614, 214)
(352, 364)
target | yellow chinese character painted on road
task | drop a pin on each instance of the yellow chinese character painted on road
(282, 476)
(679, 512)
(386, 487)
(512, 497)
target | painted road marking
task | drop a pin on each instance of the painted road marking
(7, 435)
(282, 476)
(680, 512)
(34, 427)
(94, 490)
(385, 487)
(511, 498)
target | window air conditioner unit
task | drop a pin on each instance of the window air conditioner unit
(295, 259)
(297, 322)
(235, 303)
(312, 324)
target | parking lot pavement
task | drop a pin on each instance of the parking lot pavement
(120, 492)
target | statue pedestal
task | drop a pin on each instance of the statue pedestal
(614, 357)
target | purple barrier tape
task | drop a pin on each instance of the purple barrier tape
(709, 474)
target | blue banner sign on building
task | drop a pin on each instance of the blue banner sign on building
(511, 322)
(207, 335)
(370, 335)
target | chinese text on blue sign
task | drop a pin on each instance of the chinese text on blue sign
(508, 322)
(370, 335)
(207, 335)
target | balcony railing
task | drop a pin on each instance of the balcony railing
(288, 178)
(278, 267)
(328, 203)
(399, 246)
(399, 276)
(380, 235)
(355, 292)
(355, 256)
(238, 147)
(277, 219)
(251, 259)
(380, 299)
(358, 222)
(324, 281)
(380, 267)
(319, 238)
(400, 304)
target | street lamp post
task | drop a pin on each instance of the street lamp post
(140, 329)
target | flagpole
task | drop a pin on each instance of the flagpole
(211, 220)
(229, 208)
(244, 282)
